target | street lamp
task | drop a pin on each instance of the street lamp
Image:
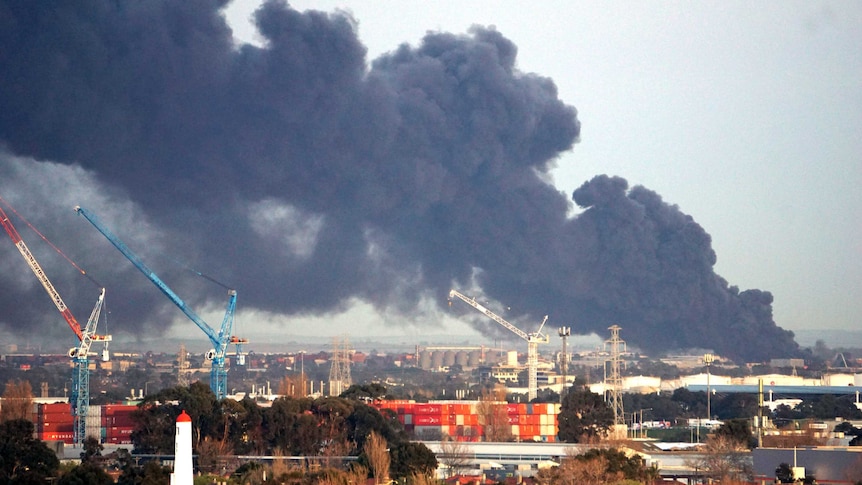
(643, 433)
(708, 359)
(564, 333)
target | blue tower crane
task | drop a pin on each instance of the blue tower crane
(219, 341)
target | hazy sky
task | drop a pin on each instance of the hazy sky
(748, 116)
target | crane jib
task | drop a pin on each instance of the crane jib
(218, 374)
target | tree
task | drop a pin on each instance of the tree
(618, 464)
(455, 456)
(784, 473)
(738, 431)
(87, 473)
(156, 423)
(364, 392)
(365, 419)
(92, 449)
(724, 459)
(376, 451)
(411, 458)
(584, 416)
(17, 401)
(22, 456)
(493, 417)
(150, 474)
(598, 467)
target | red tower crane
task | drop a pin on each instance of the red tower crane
(80, 399)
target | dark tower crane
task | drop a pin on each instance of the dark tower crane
(80, 398)
(219, 340)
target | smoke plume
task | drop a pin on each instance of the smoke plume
(309, 177)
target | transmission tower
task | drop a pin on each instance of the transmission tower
(615, 380)
(182, 367)
(339, 372)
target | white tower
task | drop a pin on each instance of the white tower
(183, 468)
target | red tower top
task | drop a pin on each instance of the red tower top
(184, 418)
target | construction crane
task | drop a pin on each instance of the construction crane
(533, 341)
(219, 340)
(80, 355)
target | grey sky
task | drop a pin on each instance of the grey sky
(745, 115)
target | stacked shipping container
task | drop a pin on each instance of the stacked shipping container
(465, 420)
(54, 422)
(111, 423)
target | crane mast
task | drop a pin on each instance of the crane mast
(533, 341)
(219, 340)
(80, 398)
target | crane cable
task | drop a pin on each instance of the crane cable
(61, 253)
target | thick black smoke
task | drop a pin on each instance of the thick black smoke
(306, 177)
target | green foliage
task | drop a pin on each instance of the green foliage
(737, 430)
(86, 473)
(24, 459)
(360, 392)
(92, 449)
(151, 473)
(632, 468)
(661, 407)
(411, 458)
(584, 416)
(784, 473)
(693, 404)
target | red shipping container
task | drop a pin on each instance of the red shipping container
(512, 409)
(64, 437)
(56, 427)
(427, 420)
(427, 409)
(120, 420)
(114, 409)
(66, 416)
(119, 431)
(60, 407)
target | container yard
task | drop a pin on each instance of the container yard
(466, 420)
(111, 423)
